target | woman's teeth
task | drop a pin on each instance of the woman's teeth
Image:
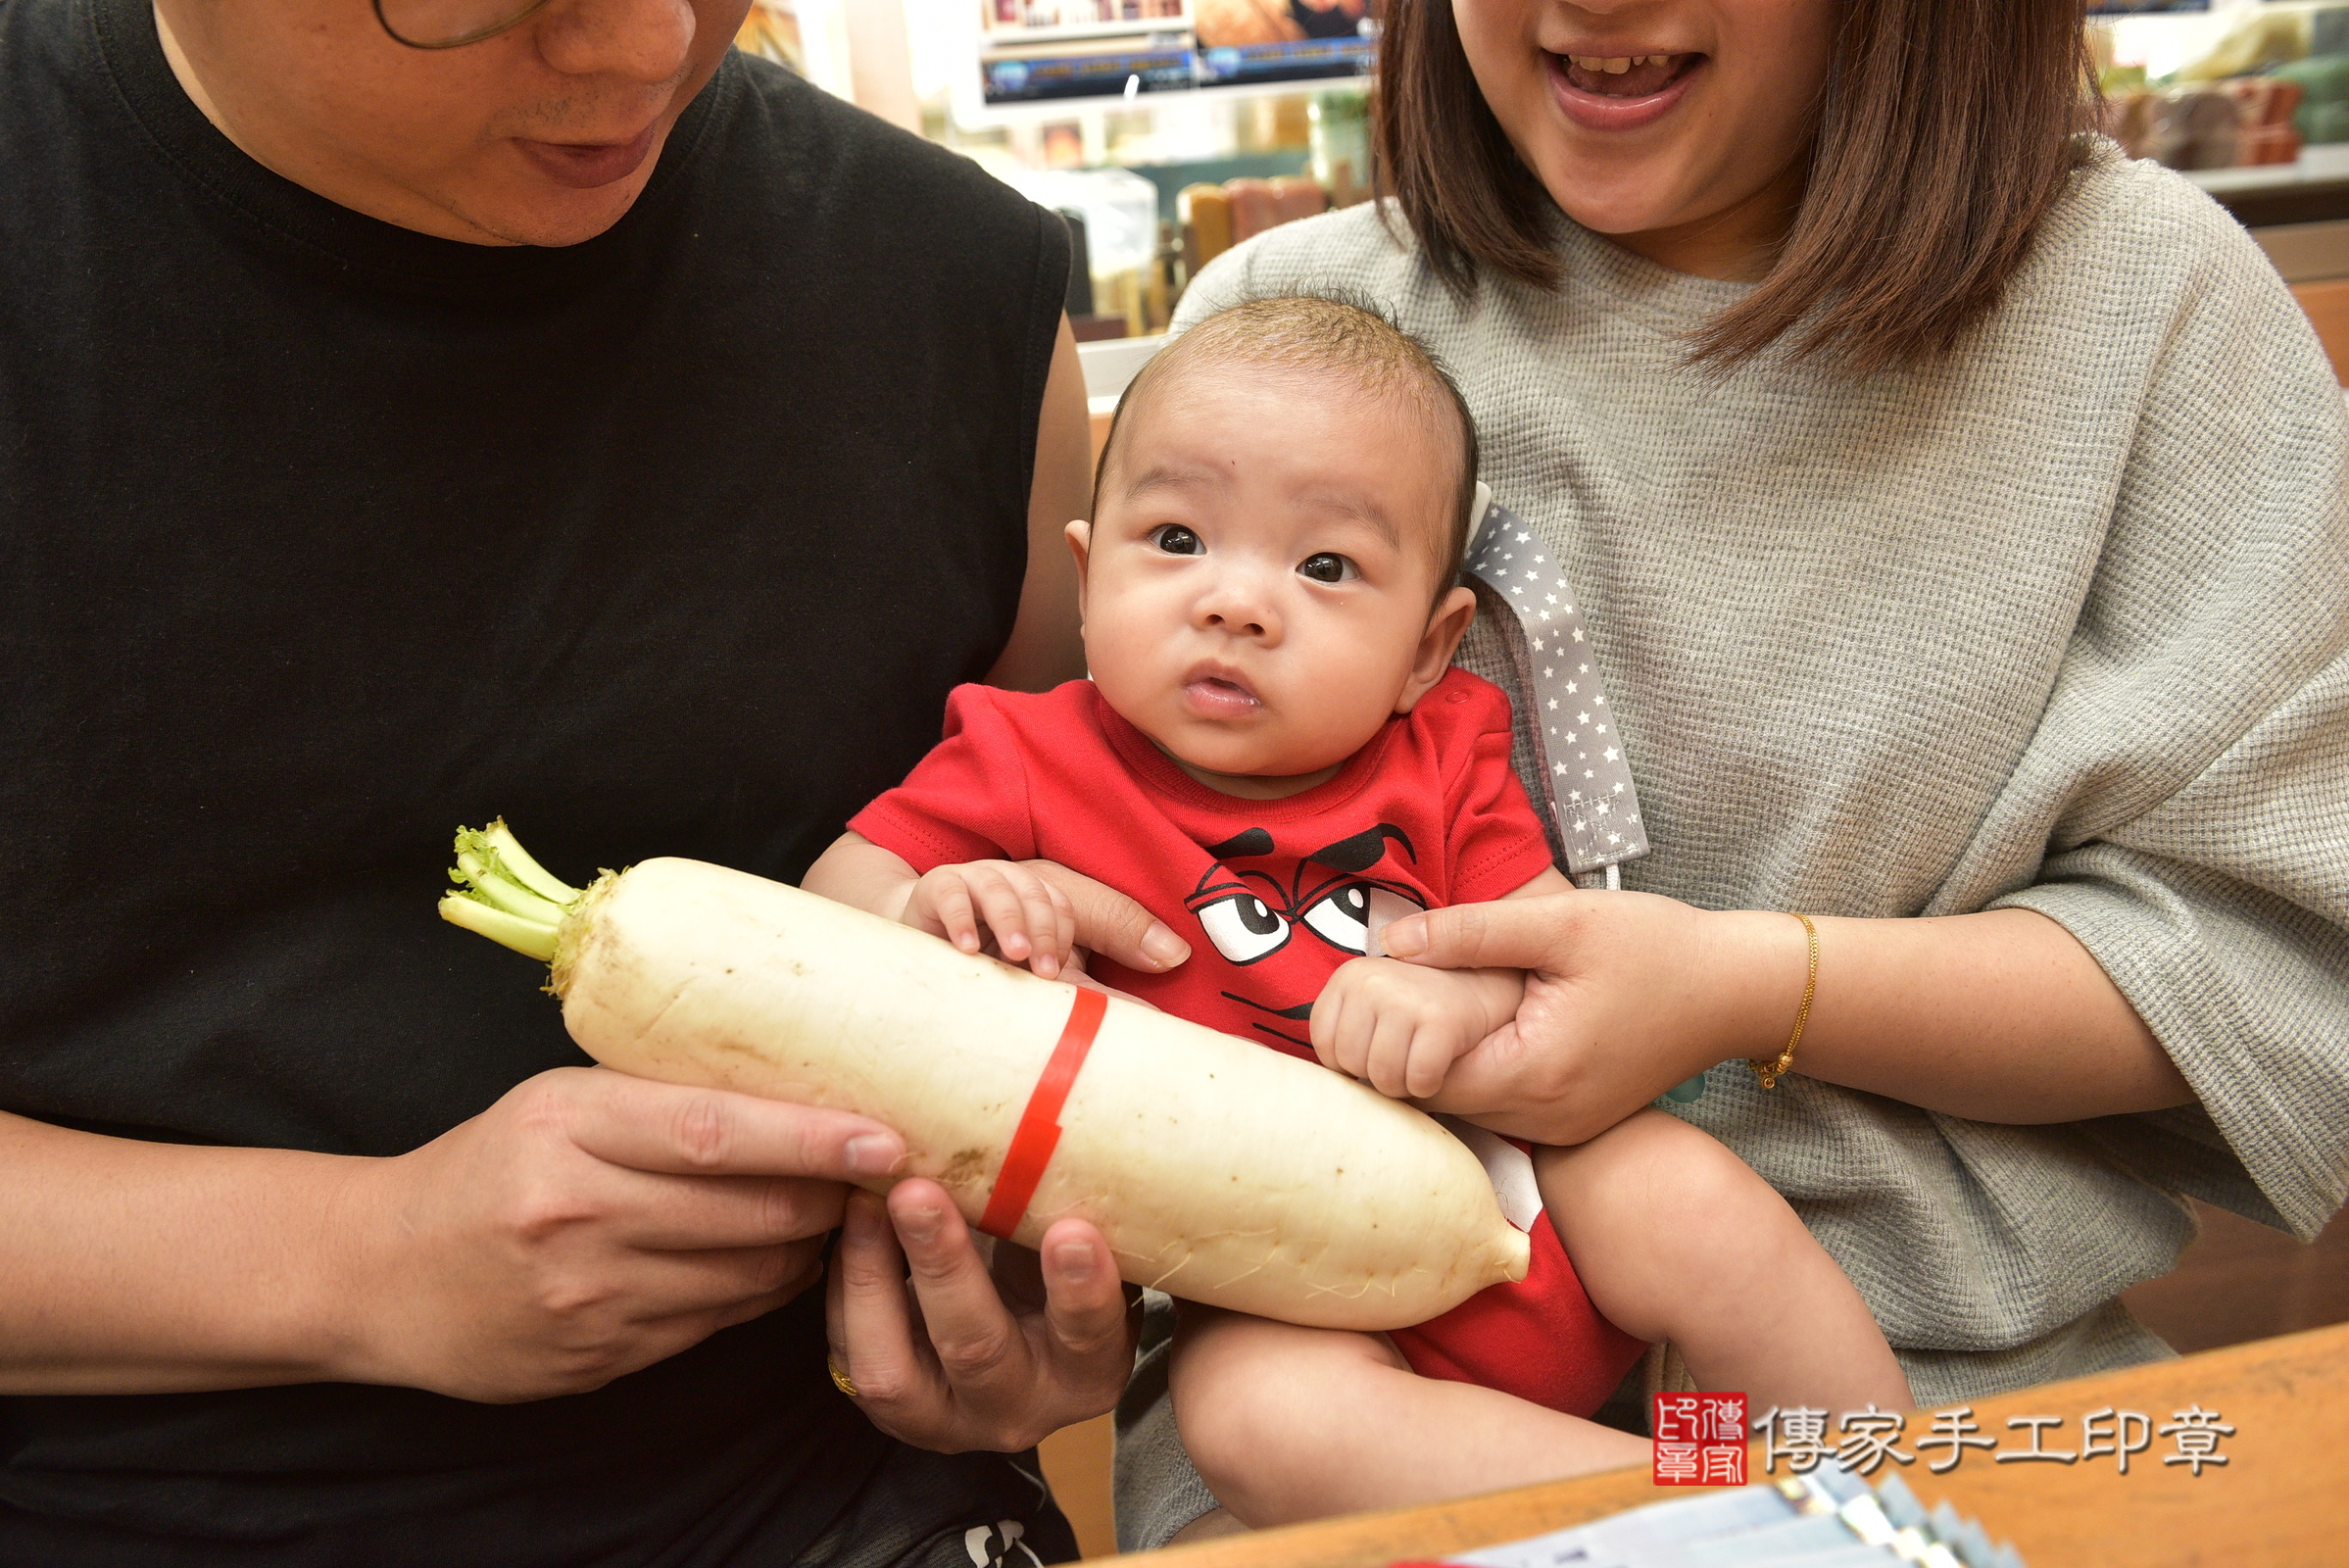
(1624, 75)
(1617, 65)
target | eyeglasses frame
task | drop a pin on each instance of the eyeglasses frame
(530, 7)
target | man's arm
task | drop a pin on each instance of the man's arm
(1045, 648)
(586, 1225)
(137, 1267)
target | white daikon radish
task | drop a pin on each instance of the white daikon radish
(1218, 1169)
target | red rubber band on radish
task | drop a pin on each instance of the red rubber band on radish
(1038, 1129)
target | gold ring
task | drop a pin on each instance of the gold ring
(840, 1379)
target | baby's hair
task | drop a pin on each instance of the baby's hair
(1324, 332)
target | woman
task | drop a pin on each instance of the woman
(1959, 510)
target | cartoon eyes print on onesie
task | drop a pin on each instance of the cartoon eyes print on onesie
(1249, 915)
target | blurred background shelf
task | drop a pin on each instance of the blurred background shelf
(919, 63)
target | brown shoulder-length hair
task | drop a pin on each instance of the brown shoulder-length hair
(1930, 170)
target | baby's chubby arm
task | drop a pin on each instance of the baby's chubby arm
(1398, 1026)
(1037, 912)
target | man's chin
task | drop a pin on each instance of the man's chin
(537, 212)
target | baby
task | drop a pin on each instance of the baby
(1275, 756)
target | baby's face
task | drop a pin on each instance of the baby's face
(1258, 583)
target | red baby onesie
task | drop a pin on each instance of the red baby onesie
(1273, 896)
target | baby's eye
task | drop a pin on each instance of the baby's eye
(1328, 568)
(1177, 540)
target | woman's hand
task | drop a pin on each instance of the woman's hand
(1625, 993)
(973, 1356)
(1998, 1016)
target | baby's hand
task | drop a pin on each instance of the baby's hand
(1031, 920)
(1398, 1026)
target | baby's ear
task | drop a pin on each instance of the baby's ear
(1447, 625)
(1079, 534)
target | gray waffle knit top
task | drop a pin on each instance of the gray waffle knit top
(2057, 622)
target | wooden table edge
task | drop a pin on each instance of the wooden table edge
(1467, 1524)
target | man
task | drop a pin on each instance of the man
(415, 411)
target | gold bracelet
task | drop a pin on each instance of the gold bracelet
(1768, 1072)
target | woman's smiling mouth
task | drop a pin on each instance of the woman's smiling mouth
(1619, 92)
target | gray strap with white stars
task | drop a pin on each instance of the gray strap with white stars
(1575, 740)
(1576, 744)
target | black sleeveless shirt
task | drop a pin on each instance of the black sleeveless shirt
(318, 537)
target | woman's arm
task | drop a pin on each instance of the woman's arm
(1046, 649)
(1997, 1016)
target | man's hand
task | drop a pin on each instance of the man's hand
(586, 1225)
(970, 1357)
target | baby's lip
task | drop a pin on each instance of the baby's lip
(1218, 688)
